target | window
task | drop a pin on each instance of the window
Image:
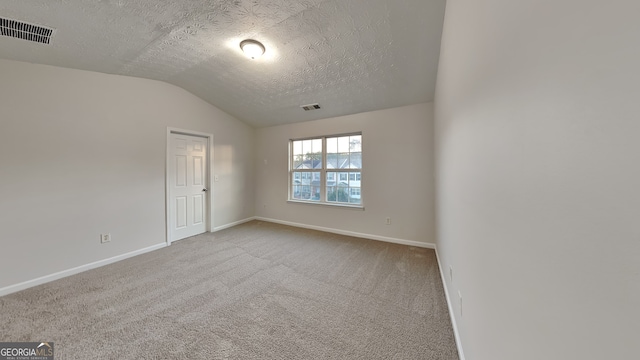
(326, 169)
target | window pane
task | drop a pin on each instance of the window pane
(331, 179)
(306, 178)
(315, 186)
(355, 160)
(355, 143)
(331, 193)
(332, 161)
(297, 147)
(315, 161)
(343, 194)
(354, 195)
(343, 144)
(316, 146)
(309, 161)
(305, 192)
(354, 179)
(332, 145)
(296, 192)
(338, 194)
(306, 147)
(343, 161)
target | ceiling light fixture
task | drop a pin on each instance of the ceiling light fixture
(252, 48)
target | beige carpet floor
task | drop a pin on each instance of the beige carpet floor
(255, 291)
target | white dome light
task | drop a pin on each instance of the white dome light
(253, 49)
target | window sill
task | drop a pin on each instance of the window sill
(344, 206)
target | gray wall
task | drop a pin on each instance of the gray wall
(397, 179)
(537, 137)
(83, 153)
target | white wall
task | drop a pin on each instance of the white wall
(538, 153)
(83, 153)
(397, 176)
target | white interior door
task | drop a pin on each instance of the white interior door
(187, 175)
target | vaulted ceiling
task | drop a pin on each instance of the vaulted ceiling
(349, 56)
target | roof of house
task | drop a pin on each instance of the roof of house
(351, 161)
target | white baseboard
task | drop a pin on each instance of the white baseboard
(352, 233)
(61, 274)
(450, 305)
(226, 226)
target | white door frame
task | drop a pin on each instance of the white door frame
(208, 181)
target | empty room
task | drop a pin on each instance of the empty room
(319, 179)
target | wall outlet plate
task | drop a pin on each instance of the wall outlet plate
(105, 238)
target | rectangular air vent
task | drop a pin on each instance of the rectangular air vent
(310, 107)
(24, 31)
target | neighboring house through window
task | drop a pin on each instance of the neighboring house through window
(326, 169)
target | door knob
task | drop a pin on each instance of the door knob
(205, 189)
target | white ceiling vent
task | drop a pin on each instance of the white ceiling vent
(310, 107)
(24, 31)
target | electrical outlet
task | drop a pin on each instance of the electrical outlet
(388, 221)
(105, 238)
(460, 299)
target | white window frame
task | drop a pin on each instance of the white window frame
(323, 174)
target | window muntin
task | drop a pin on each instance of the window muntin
(326, 169)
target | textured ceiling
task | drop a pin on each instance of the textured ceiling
(348, 55)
